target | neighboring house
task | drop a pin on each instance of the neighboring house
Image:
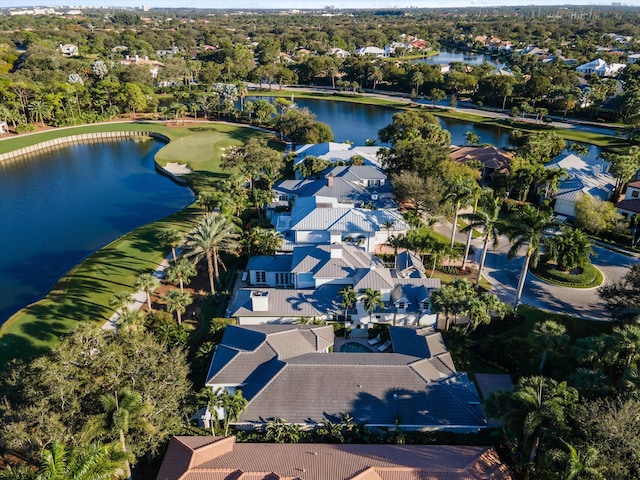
(337, 153)
(339, 53)
(370, 51)
(533, 50)
(69, 50)
(494, 160)
(284, 371)
(630, 204)
(172, 52)
(502, 72)
(153, 65)
(418, 44)
(633, 58)
(600, 68)
(390, 48)
(196, 458)
(323, 220)
(584, 177)
(357, 185)
(306, 283)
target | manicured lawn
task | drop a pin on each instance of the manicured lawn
(589, 277)
(336, 96)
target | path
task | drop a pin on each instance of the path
(140, 297)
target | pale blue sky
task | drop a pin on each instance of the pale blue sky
(258, 4)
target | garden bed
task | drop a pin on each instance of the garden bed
(582, 277)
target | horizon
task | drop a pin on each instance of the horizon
(319, 4)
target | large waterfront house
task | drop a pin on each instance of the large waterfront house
(305, 283)
(583, 177)
(221, 458)
(340, 153)
(492, 159)
(287, 371)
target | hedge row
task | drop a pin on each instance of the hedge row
(590, 276)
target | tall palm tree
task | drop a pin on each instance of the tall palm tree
(570, 249)
(148, 283)
(172, 238)
(395, 241)
(371, 299)
(93, 462)
(487, 217)
(177, 301)
(122, 411)
(349, 299)
(212, 234)
(462, 192)
(626, 345)
(582, 463)
(549, 335)
(527, 227)
(180, 271)
(233, 405)
(263, 241)
(40, 111)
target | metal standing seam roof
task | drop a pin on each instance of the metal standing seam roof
(280, 303)
(270, 263)
(374, 278)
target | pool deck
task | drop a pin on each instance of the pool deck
(339, 342)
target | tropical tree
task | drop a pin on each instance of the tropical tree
(371, 299)
(626, 346)
(93, 462)
(461, 191)
(208, 398)
(570, 249)
(123, 411)
(549, 335)
(179, 272)
(527, 227)
(177, 301)
(120, 301)
(39, 111)
(582, 463)
(278, 430)
(172, 238)
(622, 297)
(349, 299)
(232, 405)
(148, 283)
(395, 241)
(486, 217)
(212, 234)
(263, 241)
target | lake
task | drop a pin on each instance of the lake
(58, 207)
(449, 55)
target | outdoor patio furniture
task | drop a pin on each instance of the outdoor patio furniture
(384, 346)
(375, 340)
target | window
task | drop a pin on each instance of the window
(401, 306)
(635, 193)
(283, 278)
(261, 277)
(283, 197)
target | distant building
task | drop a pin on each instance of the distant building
(370, 51)
(338, 153)
(494, 160)
(600, 68)
(69, 50)
(339, 53)
(629, 206)
(153, 65)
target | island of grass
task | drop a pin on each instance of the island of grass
(82, 296)
(586, 276)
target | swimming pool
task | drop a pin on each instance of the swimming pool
(353, 347)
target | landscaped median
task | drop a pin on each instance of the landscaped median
(82, 296)
(582, 277)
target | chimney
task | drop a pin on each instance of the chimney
(259, 301)
(137, 58)
(330, 180)
(596, 169)
(336, 252)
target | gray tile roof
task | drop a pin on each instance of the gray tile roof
(270, 263)
(313, 258)
(357, 173)
(423, 342)
(292, 380)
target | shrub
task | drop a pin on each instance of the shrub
(25, 128)
(590, 276)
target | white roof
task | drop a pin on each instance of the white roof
(585, 176)
(370, 51)
(337, 152)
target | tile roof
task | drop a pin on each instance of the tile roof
(374, 278)
(491, 157)
(261, 461)
(630, 205)
(423, 342)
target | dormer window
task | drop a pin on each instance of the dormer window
(261, 277)
(401, 305)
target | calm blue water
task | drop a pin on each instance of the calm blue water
(58, 207)
(448, 55)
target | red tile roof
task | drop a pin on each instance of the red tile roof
(491, 157)
(220, 458)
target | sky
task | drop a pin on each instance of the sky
(289, 4)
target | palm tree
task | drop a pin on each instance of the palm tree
(626, 345)
(527, 227)
(148, 283)
(417, 78)
(120, 301)
(371, 299)
(123, 411)
(40, 111)
(131, 321)
(549, 335)
(93, 462)
(487, 217)
(582, 463)
(263, 241)
(570, 249)
(177, 301)
(212, 234)
(208, 397)
(233, 405)
(376, 76)
(461, 192)
(395, 241)
(171, 237)
(180, 271)
(349, 299)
